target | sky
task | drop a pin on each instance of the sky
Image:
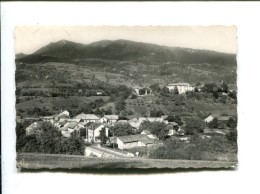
(28, 39)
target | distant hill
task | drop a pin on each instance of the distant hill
(20, 55)
(127, 51)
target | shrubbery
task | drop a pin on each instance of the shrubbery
(48, 140)
(197, 149)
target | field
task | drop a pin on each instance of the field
(53, 161)
(55, 104)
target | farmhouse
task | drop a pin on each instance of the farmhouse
(74, 126)
(136, 122)
(148, 134)
(142, 91)
(48, 118)
(155, 119)
(109, 119)
(133, 141)
(208, 119)
(219, 118)
(62, 116)
(88, 118)
(182, 87)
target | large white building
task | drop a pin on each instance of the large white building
(182, 87)
(133, 141)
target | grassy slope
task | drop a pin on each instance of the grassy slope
(38, 161)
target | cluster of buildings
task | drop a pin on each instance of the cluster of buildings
(89, 127)
(182, 87)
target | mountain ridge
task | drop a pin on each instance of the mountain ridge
(127, 50)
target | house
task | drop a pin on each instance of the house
(219, 118)
(180, 132)
(88, 118)
(60, 124)
(65, 132)
(109, 119)
(133, 141)
(71, 127)
(145, 91)
(31, 129)
(73, 120)
(122, 121)
(62, 116)
(173, 128)
(136, 122)
(155, 119)
(99, 93)
(182, 87)
(148, 134)
(93, 132)
(48, 118)
(31, 119)
(164, 117)
(223, 118)
(209, 119)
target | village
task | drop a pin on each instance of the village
(115, 136)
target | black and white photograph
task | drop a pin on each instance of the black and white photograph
(130, 97)
(101, 97)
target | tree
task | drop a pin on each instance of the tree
(107, 78)
(159, 129)
(155, 87)
(215, 94)
(193, 126)
(48, 139)
(165, 91)
(213, 124)
(145, 125)
(141, 91)
(99, 102)
(99, 112)
(224, 87)
(232, 123)
(233, 95)
(103, 138)
(120, 105)
(86, 108)
(156, 113)
(232, 135)
(121, 129)
(175, 90)
(175, 118)
(82, 132)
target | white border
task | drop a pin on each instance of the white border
(245, 15)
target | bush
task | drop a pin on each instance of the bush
(196, 149)
(48, 140)
(193, 126)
